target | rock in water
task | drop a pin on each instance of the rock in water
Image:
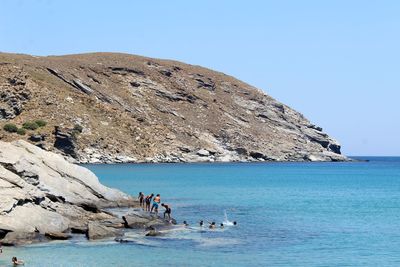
(57, 236)
(98, 231)
(41, 192)
(132, 108)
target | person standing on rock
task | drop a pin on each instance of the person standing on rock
(156, 202)
(141, 199)
(167, 210)
(148, 201)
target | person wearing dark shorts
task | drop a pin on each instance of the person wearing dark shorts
(141, 199)
(167, 210)
(148, 201)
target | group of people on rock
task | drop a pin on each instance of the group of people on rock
(146, 201)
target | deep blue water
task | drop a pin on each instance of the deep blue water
(288, 214)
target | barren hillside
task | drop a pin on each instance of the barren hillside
(109, 107)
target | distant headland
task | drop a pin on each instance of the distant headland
(111, 107)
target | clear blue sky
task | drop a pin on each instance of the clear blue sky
(337, 62)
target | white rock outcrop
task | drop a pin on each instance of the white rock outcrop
(41, 191)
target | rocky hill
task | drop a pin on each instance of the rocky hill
(109, 107)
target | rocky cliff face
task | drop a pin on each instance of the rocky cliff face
(107, 107)
(44, 197)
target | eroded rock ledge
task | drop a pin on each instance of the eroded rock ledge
(44, 197)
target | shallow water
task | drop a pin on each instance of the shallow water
(288, 214)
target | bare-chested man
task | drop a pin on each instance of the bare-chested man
(156, 202)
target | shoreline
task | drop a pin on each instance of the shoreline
(349, 160)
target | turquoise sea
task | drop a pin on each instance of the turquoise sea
(288, 214)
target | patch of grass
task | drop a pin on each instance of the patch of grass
(41, 123)
(30, 125)
(21, 131)
(11, 128)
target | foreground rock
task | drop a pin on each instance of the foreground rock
(42, 196)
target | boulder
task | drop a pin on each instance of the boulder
(37, 137)
(65, 141)
(22, 238)
(137, 220)
(57, 236)
(203, 153)
(98, 231)
(145, 220)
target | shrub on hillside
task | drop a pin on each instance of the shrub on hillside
(30, 125)
(11, 128)
(41, 123)
(78, 128)
(21, 131)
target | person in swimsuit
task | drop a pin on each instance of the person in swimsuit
(167, 210)
(185, 223)
(148, 201)
(156, 202)
(222, 225)
(141, 199)
(16, 262)
(201, 223)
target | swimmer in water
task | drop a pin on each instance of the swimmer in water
(222, 225)
(234, 223)
(185, 223)
(16, 262)
(201, 223)
(212, 225)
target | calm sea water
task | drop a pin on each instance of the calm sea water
(288, 214)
